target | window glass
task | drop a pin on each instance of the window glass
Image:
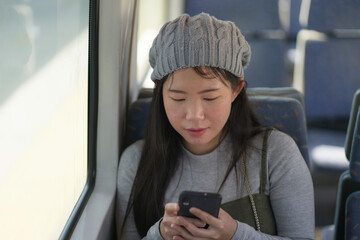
(43, 115)
(152, 15)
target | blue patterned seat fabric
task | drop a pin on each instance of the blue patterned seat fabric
(352, 224)
(137, 118)
(352, 215)
(355, 150)
(286, 114)
(340, 82)
(347, 214)
(327, 74)
(326, 71)
(349, 142)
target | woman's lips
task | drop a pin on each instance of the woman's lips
(196, 132)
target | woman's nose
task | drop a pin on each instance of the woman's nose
(195, 111)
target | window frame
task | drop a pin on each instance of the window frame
(93, 90)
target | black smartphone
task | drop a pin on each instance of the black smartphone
(208, 202)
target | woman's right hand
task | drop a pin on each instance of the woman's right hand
(170, 220)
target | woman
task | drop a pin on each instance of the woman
(203, 136)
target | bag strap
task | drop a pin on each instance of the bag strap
(263, 177)
(257, 222)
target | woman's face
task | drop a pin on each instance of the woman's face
(197, 108)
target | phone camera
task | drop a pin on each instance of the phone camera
(186, 202)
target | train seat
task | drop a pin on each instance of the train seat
(352, 213)
(326, 69)
(347, 221)
(276, 107)
(327, 94)
(286, 114)
(326, 72)
(260, 22)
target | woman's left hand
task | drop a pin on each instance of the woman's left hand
(222, 227)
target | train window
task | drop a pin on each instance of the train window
(149, 25)
(43, 115)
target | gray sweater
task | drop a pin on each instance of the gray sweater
(289, 185)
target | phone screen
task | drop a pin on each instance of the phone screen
(208, 202)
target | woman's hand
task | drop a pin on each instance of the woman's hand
(222, 227)
(170, 222)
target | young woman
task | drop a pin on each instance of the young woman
(203, 136)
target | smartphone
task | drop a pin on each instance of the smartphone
(208, 202)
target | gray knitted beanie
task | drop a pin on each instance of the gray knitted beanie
(201, 40)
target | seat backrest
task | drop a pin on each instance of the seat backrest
(352, 229)
(352, 123)
(259, 21)
(355, 151)
(352, 214)
(325, 15)
(349, 181)
(267, 67)
(346, 187)
(327, 72)
(249, 16)
(326, 68)
(284, 113)
(137, 118)
(329, 93)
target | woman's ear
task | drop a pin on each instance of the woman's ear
(238, 89)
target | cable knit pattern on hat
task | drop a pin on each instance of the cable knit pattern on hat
(201, 40)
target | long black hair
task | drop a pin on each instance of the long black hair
(162, 149)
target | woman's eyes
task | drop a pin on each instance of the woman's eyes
(178, 99)
(183, 99)
(210, 99)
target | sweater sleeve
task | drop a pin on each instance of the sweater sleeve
(291, 193)
(129, 162)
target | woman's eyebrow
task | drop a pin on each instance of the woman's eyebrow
(202, 91)
(209, 90)
(176, 91)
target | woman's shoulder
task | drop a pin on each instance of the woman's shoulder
(280, 140)
(128, 165)
(283, 151)
(131, 155)
(134, 148)
(276, 138)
